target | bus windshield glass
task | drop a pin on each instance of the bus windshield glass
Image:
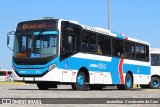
(35, 42)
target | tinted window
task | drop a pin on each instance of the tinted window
(129, 50)
(88, 42)
(155, 59)
(117, 47)
(104, 45)
(68, 43)
(140, 52)
(70, 39)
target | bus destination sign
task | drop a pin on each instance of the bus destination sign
(36, 25)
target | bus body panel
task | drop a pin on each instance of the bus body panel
(155, 70)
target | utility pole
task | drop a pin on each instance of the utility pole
(108, 14)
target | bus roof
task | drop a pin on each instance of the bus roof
(112, 33)
(107, 32)
(155, 50)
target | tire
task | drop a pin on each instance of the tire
(128, 83)
(80, 82)
(96, 87)
(42, 86)
(155, 83)
(144, 86)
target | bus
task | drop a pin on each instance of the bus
(155, 69)
(52, 51)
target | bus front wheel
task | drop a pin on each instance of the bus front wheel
(155, 83)
(80, 82)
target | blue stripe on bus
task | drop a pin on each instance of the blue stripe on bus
(73, 63)
(113, 68)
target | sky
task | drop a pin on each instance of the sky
(138, 19)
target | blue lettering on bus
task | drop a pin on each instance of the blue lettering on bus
(33, 55)
(46, 33)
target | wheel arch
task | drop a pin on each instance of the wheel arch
(155, 75)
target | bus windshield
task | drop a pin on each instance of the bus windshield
(36, 44)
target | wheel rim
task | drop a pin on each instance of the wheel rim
(129, 81)
(80, 80)
(155, 83)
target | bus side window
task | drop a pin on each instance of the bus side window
(129, 50)
(71, 43)
(84, 47)
(68, 45)
(104, 45)
(117, 47)
(140, 52)
(88, 44)
(92, 41)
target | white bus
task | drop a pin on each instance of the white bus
(155, 68)
(55, 51)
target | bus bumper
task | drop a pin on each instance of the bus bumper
(53, 75)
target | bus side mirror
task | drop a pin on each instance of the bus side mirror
(8, 38)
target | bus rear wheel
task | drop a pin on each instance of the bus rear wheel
(128, 83)
(80, 82)
(155, 83)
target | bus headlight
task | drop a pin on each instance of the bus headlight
(52, 67)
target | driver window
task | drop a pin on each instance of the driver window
(68, 45)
